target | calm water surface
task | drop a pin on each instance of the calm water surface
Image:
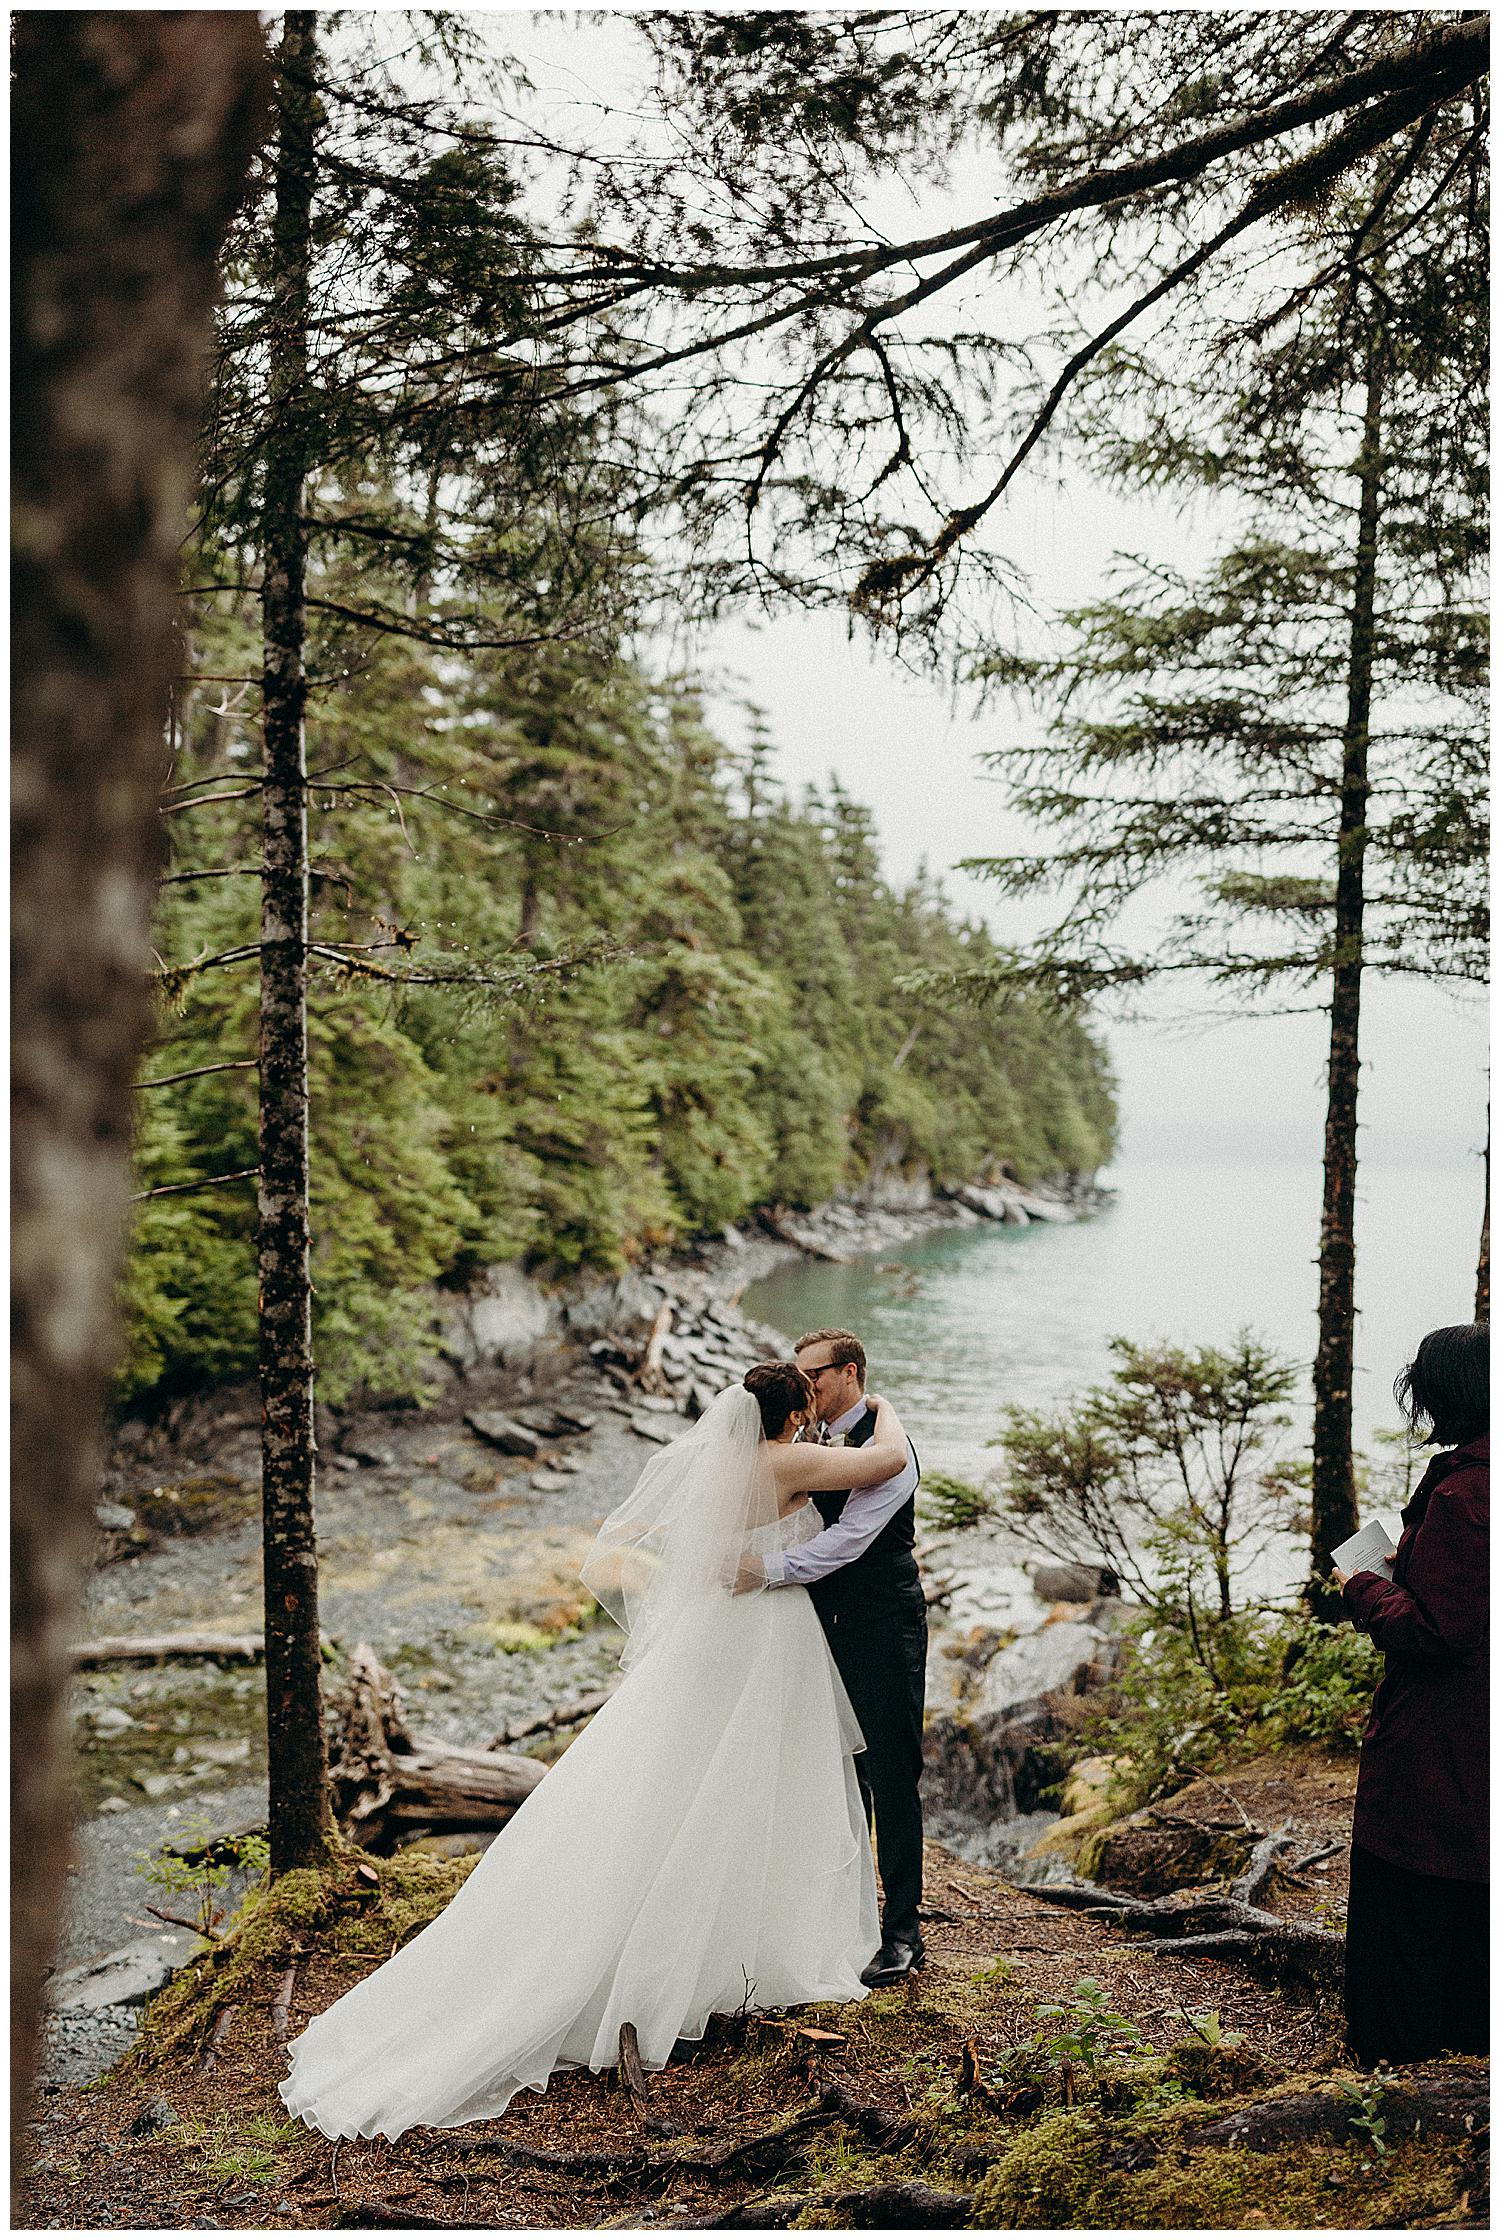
(964, 1321)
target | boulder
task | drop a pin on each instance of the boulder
(113, 1516)
(500, 1431)
(1044, 1209)
(157, 2115)
(628, 1305)
(222, 1753)
(502, 1321)
(575, 1419)
(359, 1447)
(126, 1978)
(1073, 1582)
(990, 1204)
(110, 1718)
(658, 1429)
(1153, 1853)
(989, 1759)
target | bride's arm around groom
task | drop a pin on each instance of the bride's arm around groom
(800, 1468)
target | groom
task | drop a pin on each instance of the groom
(862, 1575)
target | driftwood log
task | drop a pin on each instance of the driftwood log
(651, 1376)
(158, 1648)
(388, 1783)
(1231, 1927)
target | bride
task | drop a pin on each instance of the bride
(700, 1849)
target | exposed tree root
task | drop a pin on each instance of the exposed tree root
(1231, 1927)
(901, 2205)
(1443, 2100)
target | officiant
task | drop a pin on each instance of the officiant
(1417, 1953)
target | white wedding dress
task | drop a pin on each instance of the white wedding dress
(700, 1849)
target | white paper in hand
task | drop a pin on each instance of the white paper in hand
(1366, 1551)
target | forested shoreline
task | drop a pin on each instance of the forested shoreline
(400, 400)
(644, 992)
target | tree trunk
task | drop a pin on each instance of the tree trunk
(1482, 1274)
(299, 1815)
(133, 134)
(1335, 1512)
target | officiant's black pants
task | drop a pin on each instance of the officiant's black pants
(882, 1661)
(1416, 1961)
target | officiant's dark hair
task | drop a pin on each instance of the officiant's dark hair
(780, 1390)
(1444, 1393)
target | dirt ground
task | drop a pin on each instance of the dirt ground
(232, 2160)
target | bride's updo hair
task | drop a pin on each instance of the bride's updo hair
(780, 1390)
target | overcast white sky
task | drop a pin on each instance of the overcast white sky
(1236, 1089)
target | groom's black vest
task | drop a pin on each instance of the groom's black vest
(885, 1578)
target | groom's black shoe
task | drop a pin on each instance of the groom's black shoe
(897, 1958)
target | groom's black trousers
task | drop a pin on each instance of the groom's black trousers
(881, 1655)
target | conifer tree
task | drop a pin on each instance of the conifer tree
(1320, 693)
(368, 469)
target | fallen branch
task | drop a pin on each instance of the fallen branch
(281, 2005)
(632, 2072)
(1311, 1858)
(550, 1722)
(210, 2050)
(1247, 1888)
(384, 2216)
(902, 2205)
(180, 1921)
(1284, 1953)
(155, 1648)
(1445, 2100)
(651, 1376)
(758, 2155)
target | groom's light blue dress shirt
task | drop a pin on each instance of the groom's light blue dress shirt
(867, 1511)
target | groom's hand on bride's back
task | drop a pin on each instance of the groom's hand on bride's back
(749, 1575)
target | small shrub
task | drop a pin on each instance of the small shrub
(196, 1882)
(952, 1504)
(1186, 1703)
(1085, 2026)
(1329, 1674)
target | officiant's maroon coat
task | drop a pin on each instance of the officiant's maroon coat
(1423, 1799)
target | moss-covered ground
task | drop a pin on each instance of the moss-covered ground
(993, 2101)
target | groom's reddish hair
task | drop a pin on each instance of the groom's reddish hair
(846, 1349)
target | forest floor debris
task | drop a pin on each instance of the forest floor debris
(1174, 2091)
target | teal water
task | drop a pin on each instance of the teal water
(962, 1321)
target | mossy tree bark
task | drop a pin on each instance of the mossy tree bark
(299, 1812)
(133, 135)
(1335, 1511)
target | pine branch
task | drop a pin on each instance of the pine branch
(229, 1065)
(503, 983)
(210, 800)
(180, 1189)
(188, 878)
(1295, 182)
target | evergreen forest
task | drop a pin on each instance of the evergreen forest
(586, 984)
